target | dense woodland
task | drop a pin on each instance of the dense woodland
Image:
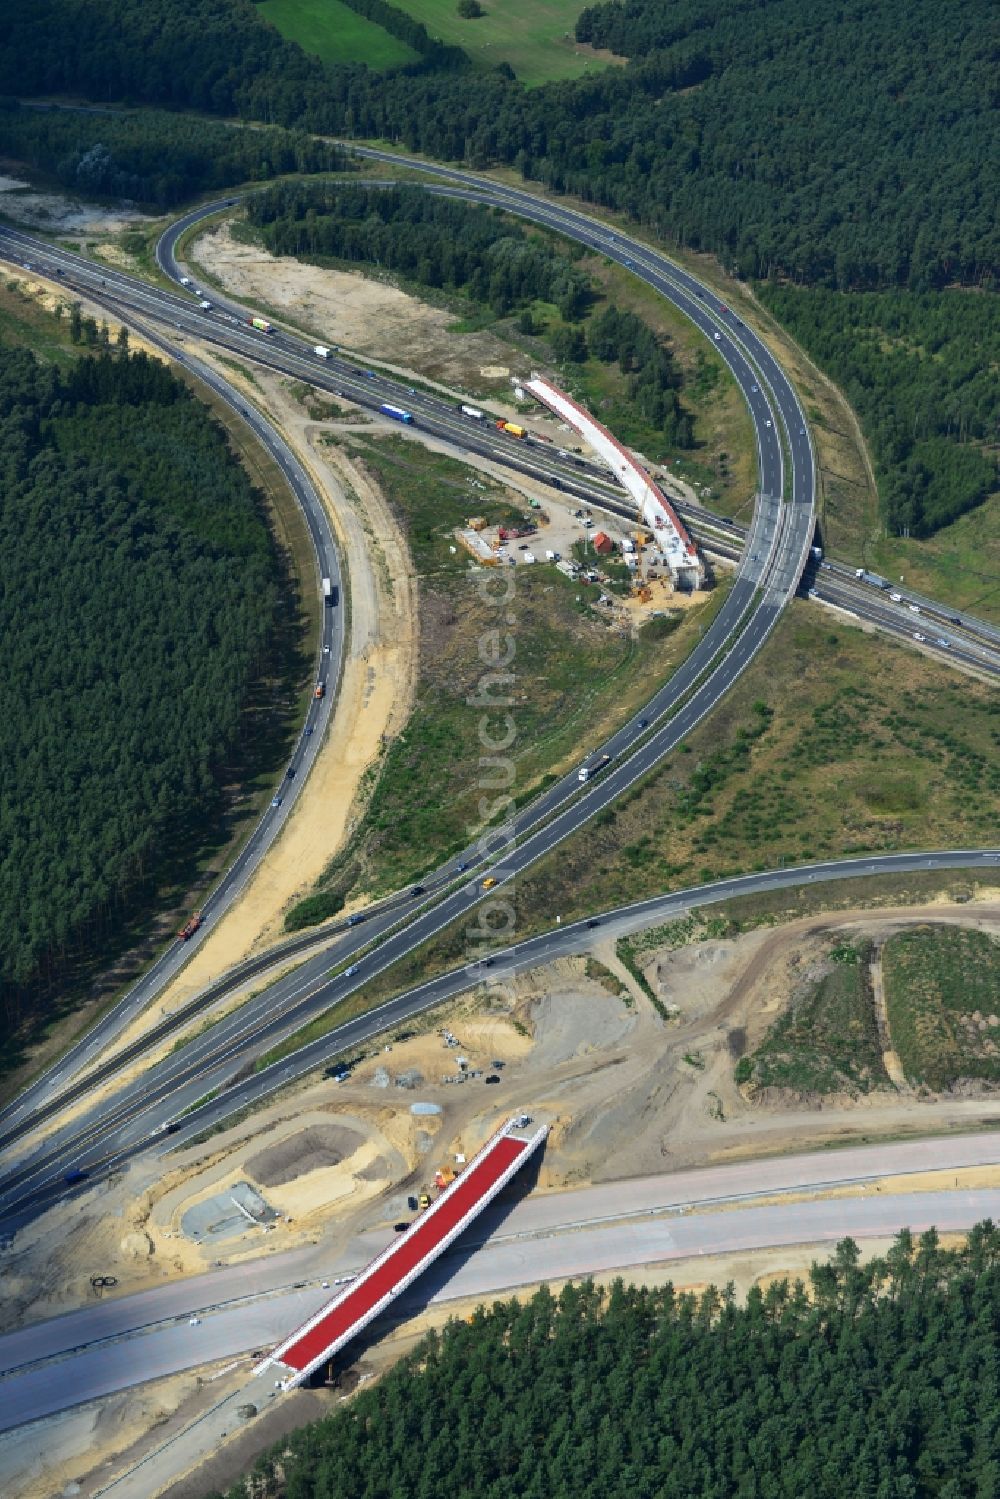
(878, 1382)
(137, 594)
(921, 372)
(156, 159)
(838, 144)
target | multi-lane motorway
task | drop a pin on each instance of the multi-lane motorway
(109, 1135)
(771, 562)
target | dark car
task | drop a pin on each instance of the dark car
(417, 890)
(492, 1078)
(462, 864)
(400, 1228)
(644, 723)
(356, 919)
(290, 773)
(593, 921)
(310, 730)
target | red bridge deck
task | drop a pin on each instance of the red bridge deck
(398, 1266)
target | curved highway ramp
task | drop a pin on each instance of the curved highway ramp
(391, 1272)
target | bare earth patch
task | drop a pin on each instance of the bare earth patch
(309, 1150)
(369, 317)
(37, 210)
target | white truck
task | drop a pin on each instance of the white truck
(586, 771)
(864, 576)
(321, 351)
(474, 412)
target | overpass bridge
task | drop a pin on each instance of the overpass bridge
(397, 1267)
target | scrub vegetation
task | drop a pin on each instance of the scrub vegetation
(827, 1039)
(942, 989)
(873, 1380)
(574, 678)
(833, 743)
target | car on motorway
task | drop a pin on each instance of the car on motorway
(897, 598)
(943, 644)
(351, 970)
(356, 919)
(593, 921)
(718, 337)
(290, 773)
(400, 1228)
(644, 723)
(754, 389)
(955, 619)
(917, 636)
(768, 422)
(276, 801)
(913, 608)
(417, 890)
(489, 882)
(310, 730)
(462, 864)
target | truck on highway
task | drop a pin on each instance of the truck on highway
(396, 412)
(190, 926)
(321, 350)
(586, 772)
(328, 591)
(864, 576)
(512, 428)
(474, 412)
(261, 324)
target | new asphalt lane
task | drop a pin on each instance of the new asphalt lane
(524, 1239)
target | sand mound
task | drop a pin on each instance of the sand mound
(308, 1150)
